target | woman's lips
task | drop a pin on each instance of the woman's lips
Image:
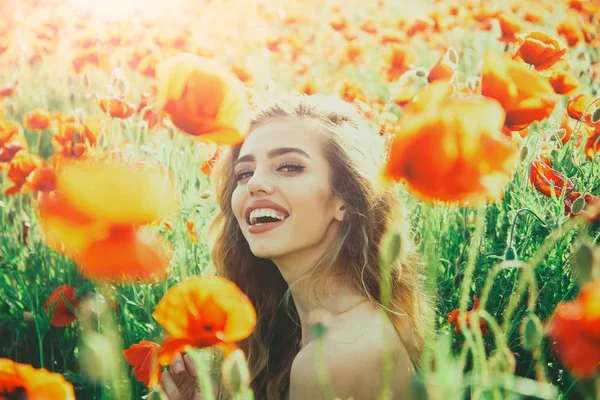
(264, 227)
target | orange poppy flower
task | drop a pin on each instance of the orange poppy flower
(338, 22)
(578, 104)
(568, 131)
(62, 314)
(203, 311)
(143, 356)
(451, 149)
(352, 54)
(8, 90)
(444, 68)
(399, 60)
(350, 91)
(72, 139)
(24, 381)
(95, 213)
(592, 144)
(37, 119)
(209, 163)
(570, 30)
(190, 230)
(591, 211)
(510, 25)
(369, 26)
(242, 73)
(116, 107)
(10, 141)
(19, 169)
(540, 50)
(91, 56)
(525, 95)
(42, 179)
(65, 228)
(128, 253)
(575, 330)
(543, 178)
(564, 83)
(309, 87)
(203, 98)
(454, 314)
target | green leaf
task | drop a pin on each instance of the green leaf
(578, 205)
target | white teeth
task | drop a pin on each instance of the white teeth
(265, 212)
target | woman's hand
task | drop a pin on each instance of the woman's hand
(181, 383)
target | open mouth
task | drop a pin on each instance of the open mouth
(260, 217)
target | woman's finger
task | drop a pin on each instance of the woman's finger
(190, 365)
(169, 386)
(177, 365)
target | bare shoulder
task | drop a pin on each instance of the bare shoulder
(352, 353)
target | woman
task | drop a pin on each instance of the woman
(300, 217)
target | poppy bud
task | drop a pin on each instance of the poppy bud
(583, 261)
(236, 375)
(532, 332)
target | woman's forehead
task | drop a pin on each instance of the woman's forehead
(282, 132)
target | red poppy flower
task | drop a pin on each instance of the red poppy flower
(62, 315)
(540, 50)
(543, 178)
(591, 211)
(575, 329)
(453, 318)
(144, 359)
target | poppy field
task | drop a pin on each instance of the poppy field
(113, 114)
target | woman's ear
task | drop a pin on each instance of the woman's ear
(340, 212)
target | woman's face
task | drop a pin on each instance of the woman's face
(282, 165)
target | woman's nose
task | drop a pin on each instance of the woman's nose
(258, 182)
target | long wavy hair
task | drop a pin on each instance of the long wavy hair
(354, 153)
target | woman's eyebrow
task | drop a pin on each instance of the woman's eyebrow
(274, 153)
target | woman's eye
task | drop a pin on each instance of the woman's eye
(291, 167)
(242, 175)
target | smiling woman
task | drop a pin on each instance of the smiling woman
(301, 219)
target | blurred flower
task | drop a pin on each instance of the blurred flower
(444, 68)
(62, 314)
(201, 312)
(203, 98)
(592, 144)
(577, 106)
(143, 356)
(116, 107)
(37, 119)
(24, 381)
(453, 318)
(452, 149)
(190, 230)
(575, 330)
(399, 59)
(97, 213)
(564, 83)
(544, 178)
(10, 141)
(525, 95)
(591, 208)
(540, 50)
(19, 169)
(9, 90)
(209, 163)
